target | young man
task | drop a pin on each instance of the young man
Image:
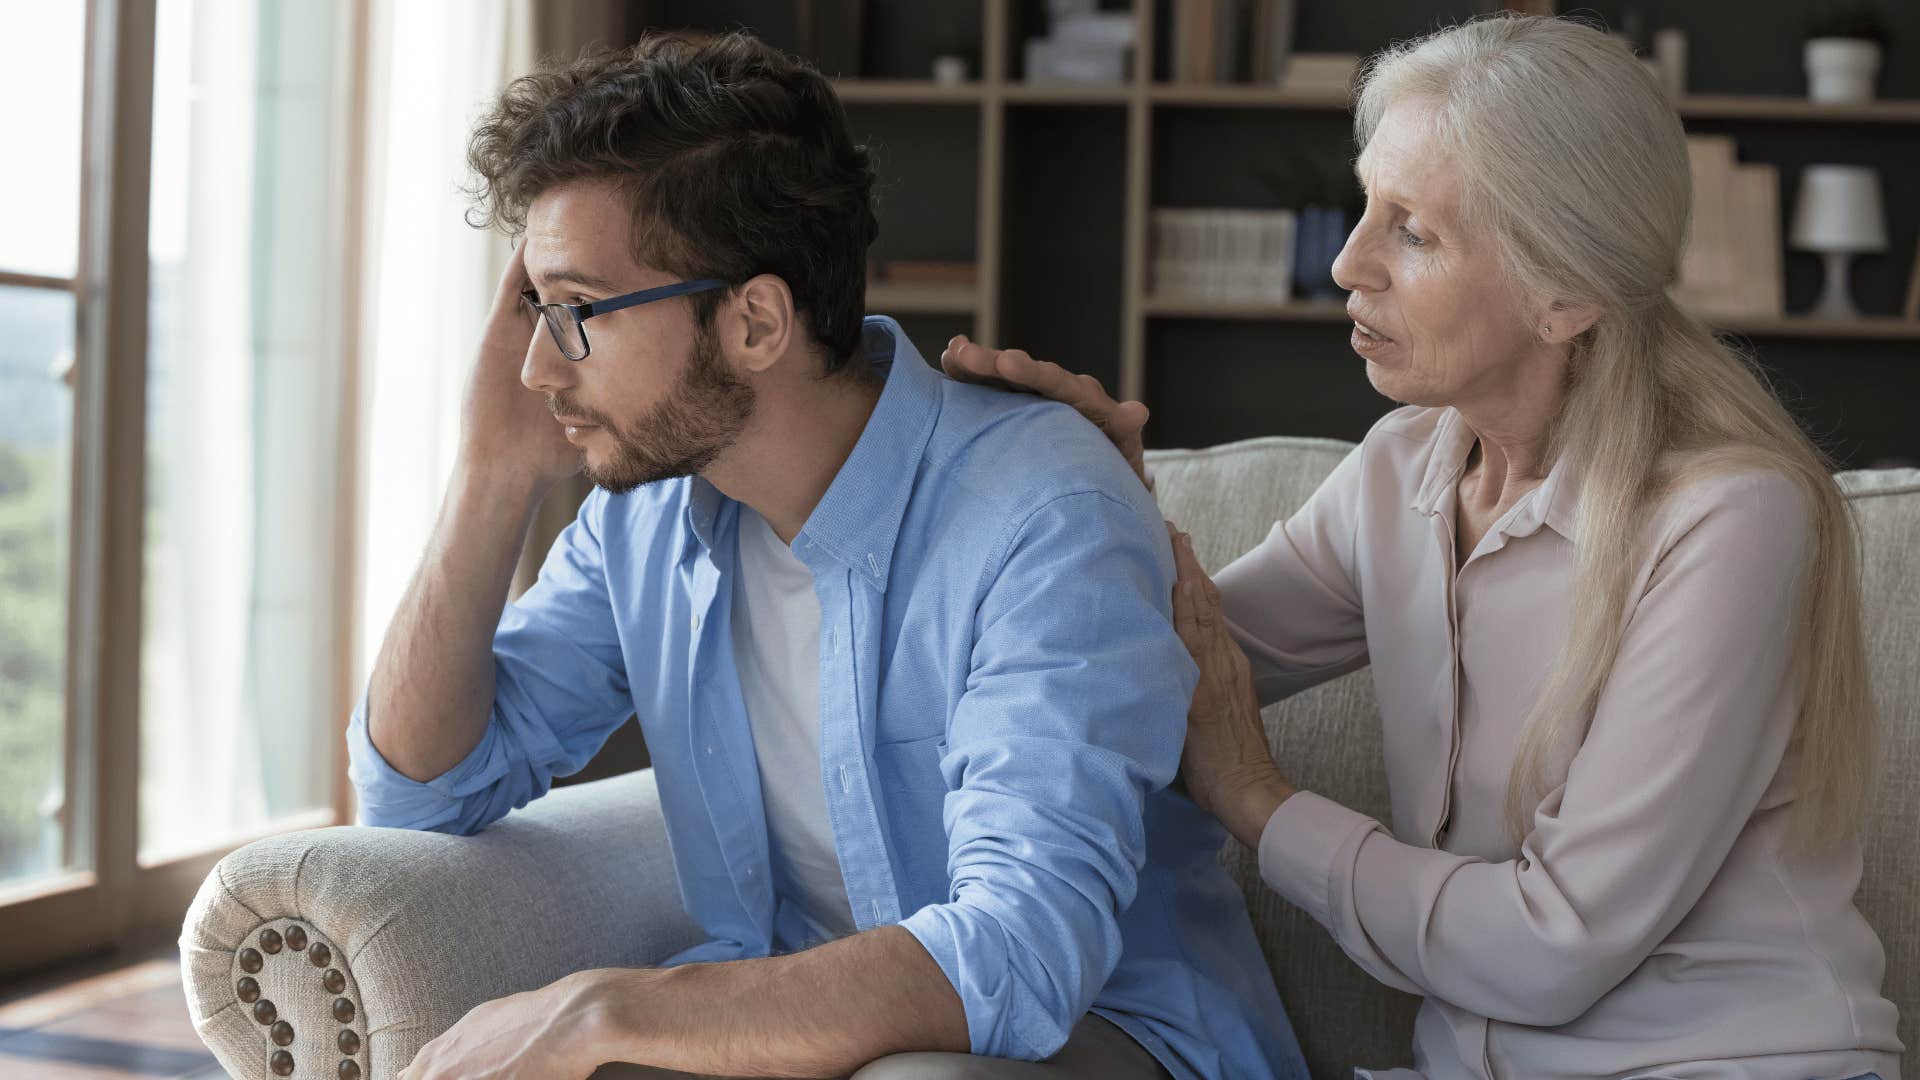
(900, 646)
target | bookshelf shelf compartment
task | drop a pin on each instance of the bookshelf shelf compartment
(1765, 107)
(1783, 108)
(907, 92)
(889, 299)
(1066, 93)
(1180, 307)
(1246, 96)
(1867, 327)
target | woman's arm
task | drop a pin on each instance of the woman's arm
(1689, 733)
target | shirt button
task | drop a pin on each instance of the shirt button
(709, 748)
(876, 910)
(696, 621)
(846, 781)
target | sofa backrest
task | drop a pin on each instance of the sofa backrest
(1230, 496)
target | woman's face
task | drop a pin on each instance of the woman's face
(1437, 321)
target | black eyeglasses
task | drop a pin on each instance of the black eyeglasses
(567, 322)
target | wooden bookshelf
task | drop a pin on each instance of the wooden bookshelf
(1063, 179)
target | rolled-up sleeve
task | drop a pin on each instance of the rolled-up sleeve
(560, 688)
(1074, 711)
(1689, 732)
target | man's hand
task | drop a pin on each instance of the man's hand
(558, 1032)
(506, 429)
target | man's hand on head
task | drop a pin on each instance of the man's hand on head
(507, 430)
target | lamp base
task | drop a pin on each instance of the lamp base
(1836, 299)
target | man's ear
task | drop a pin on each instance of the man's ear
(762, 323)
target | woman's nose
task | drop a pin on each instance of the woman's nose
(1357, 268)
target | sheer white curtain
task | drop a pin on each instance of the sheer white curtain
(433, 67)
(244, 403)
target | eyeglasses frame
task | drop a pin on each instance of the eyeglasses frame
(580, 313)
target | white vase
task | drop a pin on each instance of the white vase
(1841, 70)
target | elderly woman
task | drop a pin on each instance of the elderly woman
(1607, 590)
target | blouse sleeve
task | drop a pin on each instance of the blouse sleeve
(1690, 729)
(1292, 602)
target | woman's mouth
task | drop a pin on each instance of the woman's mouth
(1366, 339)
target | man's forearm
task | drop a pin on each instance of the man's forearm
(431, 691)
(823, 1012)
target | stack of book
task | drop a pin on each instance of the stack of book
(1222, 254)
(1732, 263)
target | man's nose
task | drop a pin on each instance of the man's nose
(545, 370)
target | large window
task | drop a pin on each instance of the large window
(41, 61)
(175, 358)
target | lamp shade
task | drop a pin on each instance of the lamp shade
(1839, 210)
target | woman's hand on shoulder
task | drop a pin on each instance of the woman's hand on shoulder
(1013, 369)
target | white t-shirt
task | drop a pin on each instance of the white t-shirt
(776, 647)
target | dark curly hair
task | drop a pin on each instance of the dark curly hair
(733, 156)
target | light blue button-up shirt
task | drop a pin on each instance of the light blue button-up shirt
(1002, 706)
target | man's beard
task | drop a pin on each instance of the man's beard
(701, 416)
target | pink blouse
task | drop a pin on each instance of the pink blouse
(1653, 922)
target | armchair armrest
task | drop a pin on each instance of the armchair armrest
(340, 952)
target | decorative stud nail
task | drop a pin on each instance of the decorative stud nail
(281, 1062)
(349, 1042)
(281, 1034)
(335, 982)
(320, 955)
(250, 961)
(270, 941)
(296, 938)
(349, 1070)
(343, 1010)
(264, 1011)
(248, 989)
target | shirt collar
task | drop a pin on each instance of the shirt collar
(1555, 502)
(858, 519)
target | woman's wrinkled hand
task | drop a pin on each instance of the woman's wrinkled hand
(1228, 769)
(1013, 369)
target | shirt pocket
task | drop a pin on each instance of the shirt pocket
(912, 764)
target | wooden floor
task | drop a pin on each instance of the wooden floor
(123, 1019)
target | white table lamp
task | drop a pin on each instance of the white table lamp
(1839, 215)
